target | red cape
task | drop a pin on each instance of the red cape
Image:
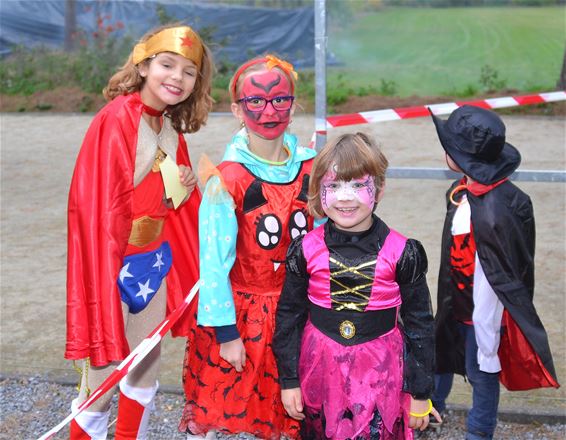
(99, 224)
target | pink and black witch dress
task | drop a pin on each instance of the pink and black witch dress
(354, 329)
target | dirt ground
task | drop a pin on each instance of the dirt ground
(37, 156)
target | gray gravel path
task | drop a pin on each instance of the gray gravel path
(31, 406)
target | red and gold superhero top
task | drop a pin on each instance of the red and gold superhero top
(100, 215)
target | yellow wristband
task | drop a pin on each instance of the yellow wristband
(425, 413)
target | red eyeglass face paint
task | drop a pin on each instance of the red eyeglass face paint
(268, 84)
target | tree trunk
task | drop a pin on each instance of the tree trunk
(70, 24)
(561, 84)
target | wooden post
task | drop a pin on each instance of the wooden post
(70, 24)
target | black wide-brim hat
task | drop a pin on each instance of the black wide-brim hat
(475, 139)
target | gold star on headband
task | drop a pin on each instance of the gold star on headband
(181, 40)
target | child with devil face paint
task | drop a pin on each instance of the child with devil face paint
(254, 204)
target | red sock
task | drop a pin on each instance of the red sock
(133, 416)
(77, 432)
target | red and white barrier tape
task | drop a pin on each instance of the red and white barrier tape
(437, 109)
(128, 364)
(441, 109)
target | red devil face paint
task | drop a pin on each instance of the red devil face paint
(268, 85)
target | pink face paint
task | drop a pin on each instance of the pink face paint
(269, 123)
(339, 192)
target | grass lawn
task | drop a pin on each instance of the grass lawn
(442, 51)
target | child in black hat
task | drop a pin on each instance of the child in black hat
(486, 325)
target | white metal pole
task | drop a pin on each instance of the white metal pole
(320, 41)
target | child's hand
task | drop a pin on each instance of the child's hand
(188, 178)
(293, 402)
(234, 353)
(418, 407)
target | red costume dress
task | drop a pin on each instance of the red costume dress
(100, 216)
(218, 397)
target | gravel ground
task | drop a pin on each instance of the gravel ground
(31, 406)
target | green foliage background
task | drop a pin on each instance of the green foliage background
(442, 51)
(383, 50)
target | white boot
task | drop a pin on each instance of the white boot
(89, 425)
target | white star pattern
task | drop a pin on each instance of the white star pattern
(144, 290)
(124, 273)
(159, 261)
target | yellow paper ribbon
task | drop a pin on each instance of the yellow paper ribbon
(174, 189)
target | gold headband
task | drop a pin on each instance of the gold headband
(181, 40)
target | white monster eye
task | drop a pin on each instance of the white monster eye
(268, 231)
(297, 223)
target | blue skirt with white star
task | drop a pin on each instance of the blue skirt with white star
(141, 276)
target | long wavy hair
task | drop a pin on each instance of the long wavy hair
(352, 156)
(187, 116)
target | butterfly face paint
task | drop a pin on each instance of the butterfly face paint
(349, 204)
(269, 84)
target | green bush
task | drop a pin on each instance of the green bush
(489, 79)
(25, 72)
(100, 55)
(387, 87)
(306, 85)
(466, 92)
(335, 96)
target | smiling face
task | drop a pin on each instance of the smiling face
(267, 84)
(169, 79)
(349, 204)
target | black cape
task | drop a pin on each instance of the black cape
(504, 231)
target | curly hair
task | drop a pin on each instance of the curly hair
(187, 116)
(352, 156)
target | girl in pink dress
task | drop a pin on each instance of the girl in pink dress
(354, 337)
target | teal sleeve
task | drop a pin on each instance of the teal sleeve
(218, 230)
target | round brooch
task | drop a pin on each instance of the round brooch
(347, 329)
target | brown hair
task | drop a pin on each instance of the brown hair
(187, 116)
(354, 156)
(253, 65)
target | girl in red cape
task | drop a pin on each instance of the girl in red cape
(254, 203)
(132, 255)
